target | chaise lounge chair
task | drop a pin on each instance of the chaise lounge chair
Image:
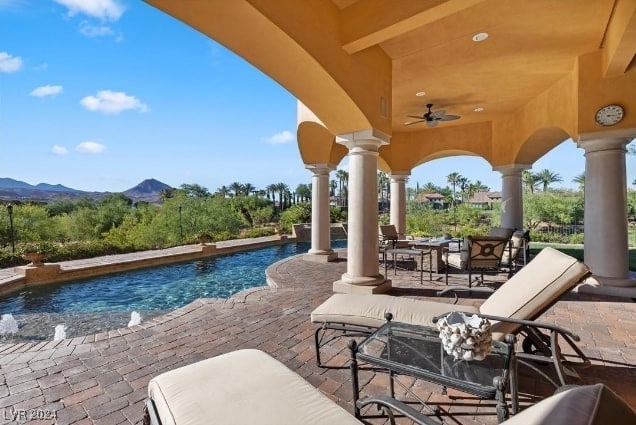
(513, 308)
(249, 387)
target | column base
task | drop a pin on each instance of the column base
(320, 256)
(615, 287)
(343, 287)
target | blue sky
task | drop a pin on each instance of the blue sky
(102, 94)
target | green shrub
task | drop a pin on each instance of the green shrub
(299, 213)
(257, 232)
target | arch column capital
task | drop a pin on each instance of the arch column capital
(603, 144)
(320, 169)
(363, 140)
(399, 176)
(512, 169)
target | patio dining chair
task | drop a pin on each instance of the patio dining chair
(389, 237)
(479, 254)
(514, 309)
(518, 253)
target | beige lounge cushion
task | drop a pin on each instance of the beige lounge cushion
(244, 387)
(369, 310)
(537, 285)
(588, 405)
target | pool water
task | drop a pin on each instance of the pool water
(106, 302)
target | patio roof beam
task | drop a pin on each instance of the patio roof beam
(620, 39)
(361, 27)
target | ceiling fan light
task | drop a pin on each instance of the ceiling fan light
(480, 36)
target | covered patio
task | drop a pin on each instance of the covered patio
(522, 77)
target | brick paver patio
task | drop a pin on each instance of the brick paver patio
(102, 379)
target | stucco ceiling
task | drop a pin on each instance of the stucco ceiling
(530, 46)
(539, 76)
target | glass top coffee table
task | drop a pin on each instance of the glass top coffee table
(417, 351)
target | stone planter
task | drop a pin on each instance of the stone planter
(36, 259)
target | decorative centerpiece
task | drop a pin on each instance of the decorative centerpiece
(465, 337)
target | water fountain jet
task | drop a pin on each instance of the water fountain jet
(8, 325)
(135, 319)
(60, 332)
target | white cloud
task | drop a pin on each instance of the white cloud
(106, 10)
(90, 147)
(59, 150)
(10, 63)
(280, 138)
(47, 90)
(90, 30)
(110, 102)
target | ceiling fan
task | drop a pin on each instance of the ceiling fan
(432, 118)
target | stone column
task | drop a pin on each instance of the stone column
(606, 248)
(511, 195)
(363, 276)
(320, 222)
(398, 202)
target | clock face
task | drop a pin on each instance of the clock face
(609, 115)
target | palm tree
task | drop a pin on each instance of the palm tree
(383, 183)
(453, 179)
(333, 185)
(303, 191)
(248, 188)
(223, 191)
(546, 177)
(282, 189)
(580, 180)
(530, 180)
(463, 184)
(237, 188)
(478, 186)
(271, 189)
(430, 187)
(342, 177)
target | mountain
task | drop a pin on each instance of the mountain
(15, 190)
(148, 190)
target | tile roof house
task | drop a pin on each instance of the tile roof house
(484, 199)
(436, 199)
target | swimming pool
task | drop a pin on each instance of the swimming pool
(106, 302)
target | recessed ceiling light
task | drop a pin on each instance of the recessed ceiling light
(478, 109)
(420, 93)
(480, 36)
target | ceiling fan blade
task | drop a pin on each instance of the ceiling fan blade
(414, 122)
(419, 117)
(431, 123)
(449, 118)
(438, 114)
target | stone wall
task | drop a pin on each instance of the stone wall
(302, 232)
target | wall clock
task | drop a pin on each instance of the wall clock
(609, 115)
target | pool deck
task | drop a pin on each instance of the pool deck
(102, 378)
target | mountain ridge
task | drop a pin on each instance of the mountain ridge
(149, 190)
